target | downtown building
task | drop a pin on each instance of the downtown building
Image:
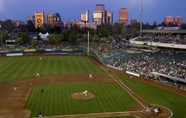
(123, 16)
(133, 21)
(32, 19)
(102, 16)
(84, 22)
(54, 20)
(51, 19)
(169, 19)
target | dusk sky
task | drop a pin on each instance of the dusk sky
(153, 10)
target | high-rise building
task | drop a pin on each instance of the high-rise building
(133, 21)
(32, 18)
(85, 16)
(169, 19)
(109, 17)
(50, 19)
(123, 16)
(39, 19)
(97, 17)
(57, 20)
(178, 20)
(102, 16)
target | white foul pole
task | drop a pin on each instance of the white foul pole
(88, 44)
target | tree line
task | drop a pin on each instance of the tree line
(74, 33)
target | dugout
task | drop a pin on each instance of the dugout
(174, 81)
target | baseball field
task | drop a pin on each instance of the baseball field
(64, 78)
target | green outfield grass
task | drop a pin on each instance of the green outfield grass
(57, 100)
(176, 103)
(14, 68)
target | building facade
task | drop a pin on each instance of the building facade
(39, 19)
(50, 19)
(102, 16)
(85, 16)
(57, 20)
(133, 21)
(109, 17)
(178, 20)
(123, 16)
(32, 18)
(170, 19)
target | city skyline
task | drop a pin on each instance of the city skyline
(153, 10)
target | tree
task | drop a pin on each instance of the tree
(4, 35)
(25, 37)
(30, 26)
(95, 37)
(124, 31)
(34, 42)
(8, 25)
(57, 29)
(19, 40)
(134, 32)
(53, 39)
(72, 37)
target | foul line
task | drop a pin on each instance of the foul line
(122, 86)
(129, 82)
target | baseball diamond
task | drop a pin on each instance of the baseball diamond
(111, 93)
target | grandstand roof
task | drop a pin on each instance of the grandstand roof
(164, 31)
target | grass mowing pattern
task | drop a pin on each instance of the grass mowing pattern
(14, 68)
(57, 99)
(176, 103)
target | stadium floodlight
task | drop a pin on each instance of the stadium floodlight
(141, 15)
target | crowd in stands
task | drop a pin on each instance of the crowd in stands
(168, 62)
(163, 38)
(107, 48)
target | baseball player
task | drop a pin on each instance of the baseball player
(40, 58)
(15, 88)
(37, 75)
(90, 76)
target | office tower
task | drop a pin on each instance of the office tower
(98, 17)
(32, 18)
(57, 20)
(102, 16)
(100, 7)
(123, 16)
(85, 16)
(178, 20)
(169, 19)
(109, 17)
(50, 19)
(133, 21)
(39, 19)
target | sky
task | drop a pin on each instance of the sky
(153, 10)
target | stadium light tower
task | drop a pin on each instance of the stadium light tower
(88, 44)
(1, 35)
(141, 15)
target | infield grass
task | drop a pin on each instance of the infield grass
(57, 100)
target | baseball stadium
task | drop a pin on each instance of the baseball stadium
(55, 83)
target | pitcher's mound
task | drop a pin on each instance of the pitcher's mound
(80, 96)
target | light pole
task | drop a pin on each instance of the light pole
(88, 44)
(1, 35)
(141, 15)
